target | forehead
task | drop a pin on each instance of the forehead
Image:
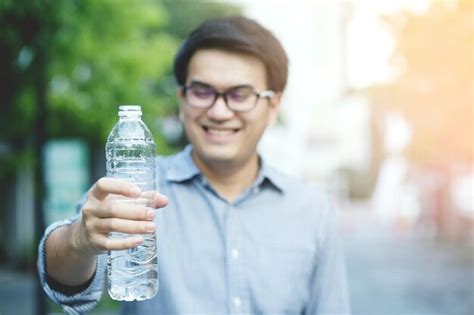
(224, 69)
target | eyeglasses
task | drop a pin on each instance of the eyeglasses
(239, 99)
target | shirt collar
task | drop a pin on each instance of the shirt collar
(272, 175)
(184, 169)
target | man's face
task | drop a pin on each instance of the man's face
(218, 134)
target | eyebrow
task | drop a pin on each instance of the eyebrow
(197, 82)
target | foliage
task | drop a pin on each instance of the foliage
(118, 55)
(434, 90)
(83, 58)
(98, 55)
(185, 15)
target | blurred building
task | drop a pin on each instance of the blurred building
(324, 133)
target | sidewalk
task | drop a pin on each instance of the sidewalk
(17, 292)
(404, 274)
(388, 274)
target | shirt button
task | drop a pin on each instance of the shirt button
(235, 253)
(204, 182)
(237, 301)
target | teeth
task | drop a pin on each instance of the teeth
(220, 132)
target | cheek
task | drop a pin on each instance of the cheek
(260, 120)
(256, 127)
(187, 115)
(190, 122)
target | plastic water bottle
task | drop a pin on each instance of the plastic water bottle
(130, 151)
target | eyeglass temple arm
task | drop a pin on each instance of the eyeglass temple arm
(268, 93)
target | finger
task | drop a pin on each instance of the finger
(148, 198)
(160, 200)
(106, 186)
(126, 211)
(125, 226)
(106, 243)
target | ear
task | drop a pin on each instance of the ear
(274, 108)
(180, 97)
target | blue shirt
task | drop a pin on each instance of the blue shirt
(275, 250)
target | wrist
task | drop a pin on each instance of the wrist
(77, 243)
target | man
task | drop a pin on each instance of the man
(235, 235)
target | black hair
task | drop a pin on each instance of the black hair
(236, 34)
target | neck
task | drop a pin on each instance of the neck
(229, 179)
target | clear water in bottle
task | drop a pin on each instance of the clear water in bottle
(130, 151)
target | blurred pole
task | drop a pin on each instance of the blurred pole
(40, 87)
(346, 16)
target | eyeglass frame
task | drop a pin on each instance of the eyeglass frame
(264, 94)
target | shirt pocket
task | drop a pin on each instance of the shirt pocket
(282, 278)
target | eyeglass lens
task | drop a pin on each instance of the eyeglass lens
(238, 98)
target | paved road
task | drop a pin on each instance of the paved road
(387, 275)
(404, 274)
(16, 292)
(390, 276)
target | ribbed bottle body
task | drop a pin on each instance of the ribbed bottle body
(130, 151)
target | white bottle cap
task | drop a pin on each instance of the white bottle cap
(130, 110)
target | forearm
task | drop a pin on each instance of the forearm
(65, 262)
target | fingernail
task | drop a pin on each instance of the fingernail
(159, 197)
(138, 240)
(150, 214)
(135, 191)
(150, 227)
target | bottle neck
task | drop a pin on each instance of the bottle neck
(129, 117)
(130, 112)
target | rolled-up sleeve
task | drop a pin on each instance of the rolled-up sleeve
(80, 302)
(329, 294)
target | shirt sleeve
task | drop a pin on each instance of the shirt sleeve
(80, 302)
(329, 292)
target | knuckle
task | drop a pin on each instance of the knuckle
(108, 224)
(128, 243)
(112, 224)
(106, 207)
(87, 208)
(139, 213)
(144, 214)
(107, 244)
(143, 228)
(95, 243)
(101, 182)
(112, 210)
(89, 225)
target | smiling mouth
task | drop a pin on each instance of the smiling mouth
(220, 131)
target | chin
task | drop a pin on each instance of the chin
(219, 154)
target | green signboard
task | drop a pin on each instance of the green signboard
(66, 176)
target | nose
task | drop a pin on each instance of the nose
(219, 110)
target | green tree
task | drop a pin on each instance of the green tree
(96, 55)
(66, 65)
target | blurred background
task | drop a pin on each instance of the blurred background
(378, 112)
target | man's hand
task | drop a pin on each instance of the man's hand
(109, 209)
(112, 205)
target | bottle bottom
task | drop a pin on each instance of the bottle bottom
(137, 292)
(132, 274)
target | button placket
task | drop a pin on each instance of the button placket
(236, 274)
(237, 302)
(234, 253)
